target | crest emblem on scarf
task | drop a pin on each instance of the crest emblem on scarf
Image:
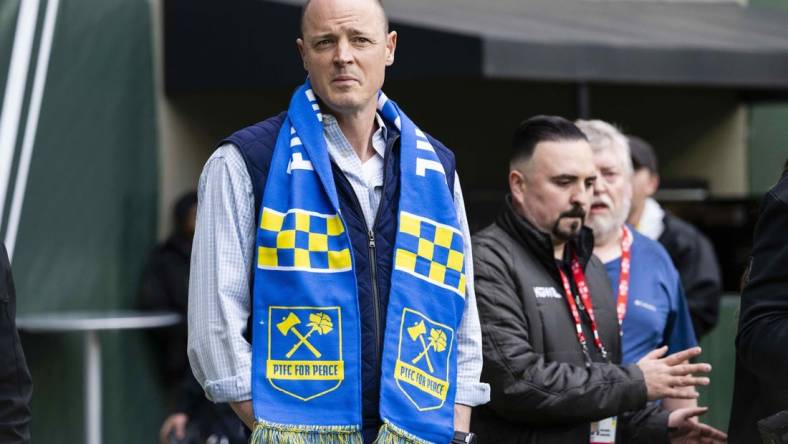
(305, 350)
(422, 368)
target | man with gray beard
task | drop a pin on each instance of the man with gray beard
(650, 304)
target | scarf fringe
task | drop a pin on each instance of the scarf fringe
(273, 433)
(391, 434)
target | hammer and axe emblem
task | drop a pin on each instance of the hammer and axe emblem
(318, 322)
(436, 341)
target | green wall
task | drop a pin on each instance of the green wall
(719, 350)
(768, 145)
(89, 213)
(768, 142)
(769, 3)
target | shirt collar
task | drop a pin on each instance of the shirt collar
(379, 137)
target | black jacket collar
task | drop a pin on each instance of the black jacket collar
(539, 243)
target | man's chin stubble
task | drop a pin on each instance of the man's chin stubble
(567, 235)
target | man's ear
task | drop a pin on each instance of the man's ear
(653, 184)
(300, 46)
(391, 47)
(516, 184)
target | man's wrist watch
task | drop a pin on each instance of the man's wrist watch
(463, 438)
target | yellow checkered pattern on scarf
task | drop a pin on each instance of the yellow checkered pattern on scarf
(431, 251)
(301, 240)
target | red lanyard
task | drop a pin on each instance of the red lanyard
(582, 287)
(623, 280)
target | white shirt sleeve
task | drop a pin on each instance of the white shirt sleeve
(219, 298)
(470, 391)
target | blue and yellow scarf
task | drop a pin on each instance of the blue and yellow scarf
(306, 366)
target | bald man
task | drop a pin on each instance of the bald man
(361, 146)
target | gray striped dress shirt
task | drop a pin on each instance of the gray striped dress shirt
(223, 250)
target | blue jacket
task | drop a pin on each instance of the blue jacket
(256, 144)
(657, 312)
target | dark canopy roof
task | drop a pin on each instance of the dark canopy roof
(706, 44)
(632, 41)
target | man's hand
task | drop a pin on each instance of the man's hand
(174, 423)
(686, 429)
(671, 377)
(671, 404)
(244, 411)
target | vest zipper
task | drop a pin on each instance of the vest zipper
(373, 274)
(373, 268)
(373, 257)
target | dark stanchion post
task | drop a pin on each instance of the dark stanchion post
(583, 101)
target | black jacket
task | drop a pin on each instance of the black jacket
(761, 381)
(16, 387)
(165, 286)
(541, 389)
(694, 258)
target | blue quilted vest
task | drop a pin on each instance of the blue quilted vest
(256, 144)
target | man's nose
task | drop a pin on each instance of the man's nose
(344, 53)
(583, 195)
(599, 185)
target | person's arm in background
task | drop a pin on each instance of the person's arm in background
(188, 395)
(763, 323)
(704, 286)
(16, 386)
(219, 294)
(152, 296)
(700, 277)
(679, 334)
(152, 293)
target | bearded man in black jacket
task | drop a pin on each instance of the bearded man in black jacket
(550, 334)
